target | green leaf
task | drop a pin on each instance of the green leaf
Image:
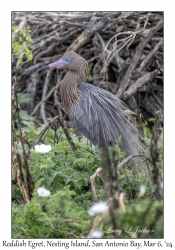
(24, 116)
(24, 98)
(18, 148)
(21, 43)
(30, 56)
(17, 46)
(152, 119)
(28, 38)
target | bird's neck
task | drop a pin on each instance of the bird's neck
(70, 96)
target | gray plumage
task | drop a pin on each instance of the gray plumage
(97, 114)
(100, 116)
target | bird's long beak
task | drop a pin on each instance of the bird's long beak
(58, 64)
(44, 67)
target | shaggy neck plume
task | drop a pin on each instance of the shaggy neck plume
(70, 95)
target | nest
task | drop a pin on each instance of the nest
(124, 51)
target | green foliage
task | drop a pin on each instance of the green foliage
(118, 152)
(21, 40)
(27, 122)
(148, 136)
(90, 66)
(63, 214)
(146, 131)
(131, 181)
(46, 217)
(24, 98)
(67, 177)
(61, 167)
(142, 219)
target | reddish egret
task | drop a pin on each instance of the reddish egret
(99, 115)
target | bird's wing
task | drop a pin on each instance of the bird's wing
(101, 118)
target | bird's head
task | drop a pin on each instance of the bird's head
(69, 60)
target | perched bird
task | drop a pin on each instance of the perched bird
(99, 115)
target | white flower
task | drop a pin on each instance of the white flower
(98, 208)
(95, 234)
(42, 149)
(43, 192)
(142, 190)
(161, 184)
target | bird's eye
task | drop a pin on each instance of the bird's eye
(67, 60)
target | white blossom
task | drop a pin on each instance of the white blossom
(43, 192)
(161, 184)
(42, 149)
(142, 190)
(95, 234)
(98, 208)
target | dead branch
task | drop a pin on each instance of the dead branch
(90, 31)
(45, 88)
(120, 47)
(130, 157)
(137, 56)
(150, 55)
(26, 186)
(139, 83)
(66, 131)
